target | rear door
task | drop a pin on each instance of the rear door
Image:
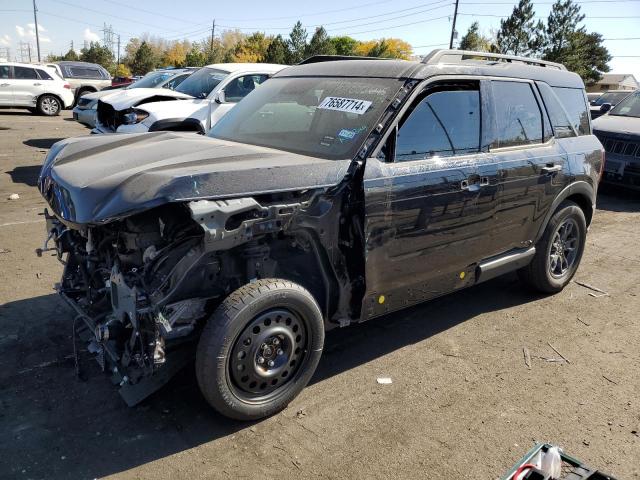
(527, 164)
(6, 88)
(27, 86)
(425, 224)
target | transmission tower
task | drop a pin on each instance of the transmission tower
(5, 54)
(108, 39)
(25, 52)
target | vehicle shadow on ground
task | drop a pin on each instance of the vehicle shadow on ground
(27, 175)
(41, 142)
(57, 426)
(616, 199)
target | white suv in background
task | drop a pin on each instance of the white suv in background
(35, 87)
(194, 105)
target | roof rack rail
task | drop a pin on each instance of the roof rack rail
(459, 56)
(333, 58)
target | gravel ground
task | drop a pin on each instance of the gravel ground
(462, 404)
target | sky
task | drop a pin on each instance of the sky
(425, 24)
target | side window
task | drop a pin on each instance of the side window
(175, 81)
(43, 75)
(24, 73)
(518, 119)
(560, 122)
(575, 104)
(240, 87)
(4, 71)
(441, 124)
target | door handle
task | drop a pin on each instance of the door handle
(4, 84)
(37, 84)
(551, 168)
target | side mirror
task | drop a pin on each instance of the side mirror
(605, 107)
(220, 97)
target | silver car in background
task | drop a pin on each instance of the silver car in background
(86, 107)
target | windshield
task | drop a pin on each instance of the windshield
(152, 80)
(200, 83)
(321, 117)
(611, 97)
(629, 107)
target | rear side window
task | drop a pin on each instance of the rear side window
(4, 71)
(442, 124)
(562, 126)
(517, 115)
(575, 104)
(25, 73)
(84, 72)
(43, 75)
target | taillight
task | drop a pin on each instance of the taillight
(66, 85)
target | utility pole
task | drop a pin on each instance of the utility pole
(35, 17)
(213, 32)
(453, 27)
(29, 49)
(118, 62)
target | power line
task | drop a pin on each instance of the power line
(398, 26)
(541, 17)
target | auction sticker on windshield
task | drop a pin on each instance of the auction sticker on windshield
(348, 105)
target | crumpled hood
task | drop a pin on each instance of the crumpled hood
(191, 108)
(100, 178)
(131, 97)
(101, 94)
(617, 124)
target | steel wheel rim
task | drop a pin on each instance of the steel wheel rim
(563, 252)
(49, 105)
(267, 354)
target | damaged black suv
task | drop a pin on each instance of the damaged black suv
(339, 191)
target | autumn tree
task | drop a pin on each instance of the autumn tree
(520, 34)
(297, 44)
(277, 51)
(122, 71)
(252, 49)
(175, 55)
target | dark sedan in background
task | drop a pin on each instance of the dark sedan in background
(619, 132)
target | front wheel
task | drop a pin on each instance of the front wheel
(259, 349)
(49, 105)
(559, 251)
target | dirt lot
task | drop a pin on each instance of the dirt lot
(462, 403)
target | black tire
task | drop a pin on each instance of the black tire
(228, 367)
(80, 94)
(49, 105)
(543, 273)
(33, 110)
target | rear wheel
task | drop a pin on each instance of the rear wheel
(559, 252)
(259, 349)
(49, 105)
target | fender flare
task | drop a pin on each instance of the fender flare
(177, 124)
(579, 188)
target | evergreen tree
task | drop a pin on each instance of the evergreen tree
(297, 44)
(195, 57)
(96, 53)
(143, 60)
(562, 23)
(277, 51)
(585, 55)
(320, 44)
(474, 40)
(71, 56)
(520, 34)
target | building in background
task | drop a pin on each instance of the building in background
(614, 81)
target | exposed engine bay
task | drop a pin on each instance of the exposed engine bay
(145, 285)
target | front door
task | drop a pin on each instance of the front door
(428, 212)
